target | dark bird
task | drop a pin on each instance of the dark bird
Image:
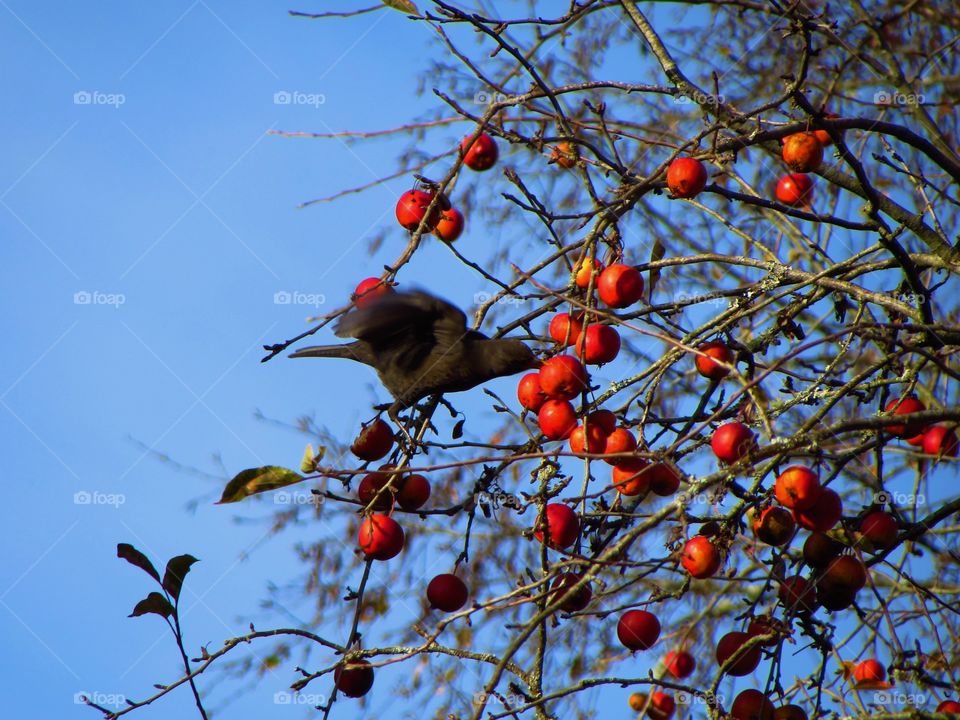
(420, 345)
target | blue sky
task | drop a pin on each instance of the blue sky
(149, 222)
(157, 197)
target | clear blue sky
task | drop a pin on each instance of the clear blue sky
(148, 222)
(164, 199)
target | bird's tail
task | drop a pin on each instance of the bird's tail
(357, 351)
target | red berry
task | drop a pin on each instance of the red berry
(447, 593)
(869, 671)
(380, 537)
(591, 440)
(797, 488)
(664, 479)
(450, 225)
(562, 526)
(369, 488)
(605, 419)
(620, 285)
(588, 269)
(795, 190)
(941, 441)
(775, 526)
(717, 351)
(797, 594)
(732, 441)
(880, 528)
(370, 290)
(700, 557)
(598, 344)
(354, 679)
(412, 208)
(565, 329)
(481, 154)
(905, 406)
(802, 152)
(679, 663)
(729, 646)
(573, 601)
(529, 393)
(951, 707)
(557, 419)
(563, 377)
(373, 442)
(631, 478)
(686, 177)
(638, 629)
(823, 514)
(751, 705)
(618, 442)
(414, 492)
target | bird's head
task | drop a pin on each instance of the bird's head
(513, 356)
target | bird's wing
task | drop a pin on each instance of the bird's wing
(408, 325)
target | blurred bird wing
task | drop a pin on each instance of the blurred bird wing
(409, 325)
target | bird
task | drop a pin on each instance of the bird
(420, 345)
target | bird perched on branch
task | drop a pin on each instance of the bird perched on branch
(420, 345)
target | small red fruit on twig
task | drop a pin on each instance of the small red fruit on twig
(412, 208)
(450, 225)
(638, 629)
(562, 525)
(802, 152)
(746, 661)
(700, 557)
(557, 419)
(529, 393)
(369, 290)
(373, 442)
(354, 679)
(481, 154)
(795, 190)
(686, 177)
(620, 285)
(380, 537)
(714, 350)
(732, 442)
(447, 593)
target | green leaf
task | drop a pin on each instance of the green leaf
(405, 6)
(177, 569)
(258, 480)
(135, 557)
(153, 603)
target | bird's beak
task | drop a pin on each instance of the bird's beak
(535, 364)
